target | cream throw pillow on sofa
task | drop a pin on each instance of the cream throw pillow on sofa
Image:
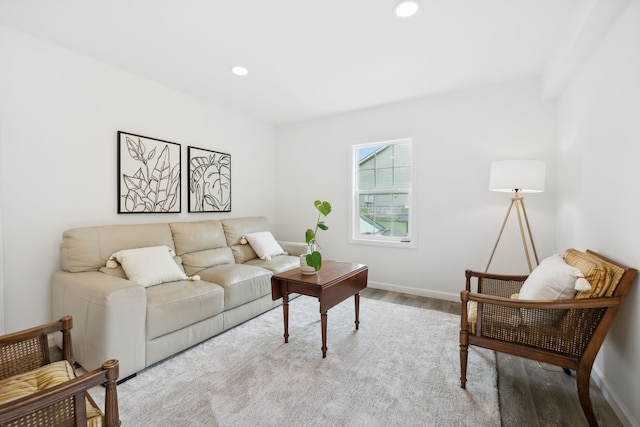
(149, 266)
(264, 244)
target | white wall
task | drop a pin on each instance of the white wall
(598, 187)
(60, 113)
(456, 137)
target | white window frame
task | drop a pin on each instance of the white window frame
(409, 242)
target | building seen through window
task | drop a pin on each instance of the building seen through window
(383, 185)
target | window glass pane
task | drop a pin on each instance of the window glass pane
(384, 157)
(402, 155)
(368, 209)
(366, 157)
(384, 214)
(383, 179)
(402, 177)
(366, 180)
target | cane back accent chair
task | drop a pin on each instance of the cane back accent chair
(564, 332)
(36, 392)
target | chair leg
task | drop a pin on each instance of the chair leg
(112, 414)
(464, 354)
(583, 375)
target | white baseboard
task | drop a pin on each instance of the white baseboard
(610, 395)
(447, 296)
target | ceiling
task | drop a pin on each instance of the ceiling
(306, 59)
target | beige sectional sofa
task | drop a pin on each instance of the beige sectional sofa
(116, 318)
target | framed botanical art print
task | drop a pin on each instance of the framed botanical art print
(148, 175)
(209, 180)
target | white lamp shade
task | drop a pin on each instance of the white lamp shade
(526, 176)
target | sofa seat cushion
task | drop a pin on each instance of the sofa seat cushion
(242, 283)
(194, 262)
(42, 378)
(276, 264)
(175, 305)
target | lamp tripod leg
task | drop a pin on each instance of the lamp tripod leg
(526, 219)
(524, 240)
(504, 223)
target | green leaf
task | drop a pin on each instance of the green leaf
(310, 236)
(322, 225)
(314, 259)
(323, 207)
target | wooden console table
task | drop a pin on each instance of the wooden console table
(334, 283)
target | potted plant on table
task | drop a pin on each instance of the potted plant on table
(311, 262)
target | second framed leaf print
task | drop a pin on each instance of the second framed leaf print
(209, 180)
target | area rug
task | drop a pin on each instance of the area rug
(401, 368)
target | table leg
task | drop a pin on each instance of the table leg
(356, 297)
(323, 321)
(285, 312)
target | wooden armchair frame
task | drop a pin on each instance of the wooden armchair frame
(65, 403)
(566, 333)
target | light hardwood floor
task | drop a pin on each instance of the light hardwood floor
(530, 394)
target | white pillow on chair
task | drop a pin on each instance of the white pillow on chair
(553, 279)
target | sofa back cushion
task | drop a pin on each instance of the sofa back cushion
(88, 248)
(236, 228)
(201, 244)
(197, 236)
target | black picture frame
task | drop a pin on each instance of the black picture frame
(209, 180)
(149, 175)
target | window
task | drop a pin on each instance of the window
(382, 206)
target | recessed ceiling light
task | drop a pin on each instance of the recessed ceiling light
(406, 8)
(239, 70)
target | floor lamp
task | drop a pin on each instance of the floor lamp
(518, 176)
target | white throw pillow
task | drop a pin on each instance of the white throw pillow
(264, 244)
(149, 266)
(552, 279)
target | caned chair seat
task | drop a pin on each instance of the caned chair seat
(37, 392)
(42, 378)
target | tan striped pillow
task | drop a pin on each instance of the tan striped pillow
(616, 275)
(594, 271)
(614, 271)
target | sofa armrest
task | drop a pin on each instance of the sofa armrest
(109, 318)
(293, 248)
